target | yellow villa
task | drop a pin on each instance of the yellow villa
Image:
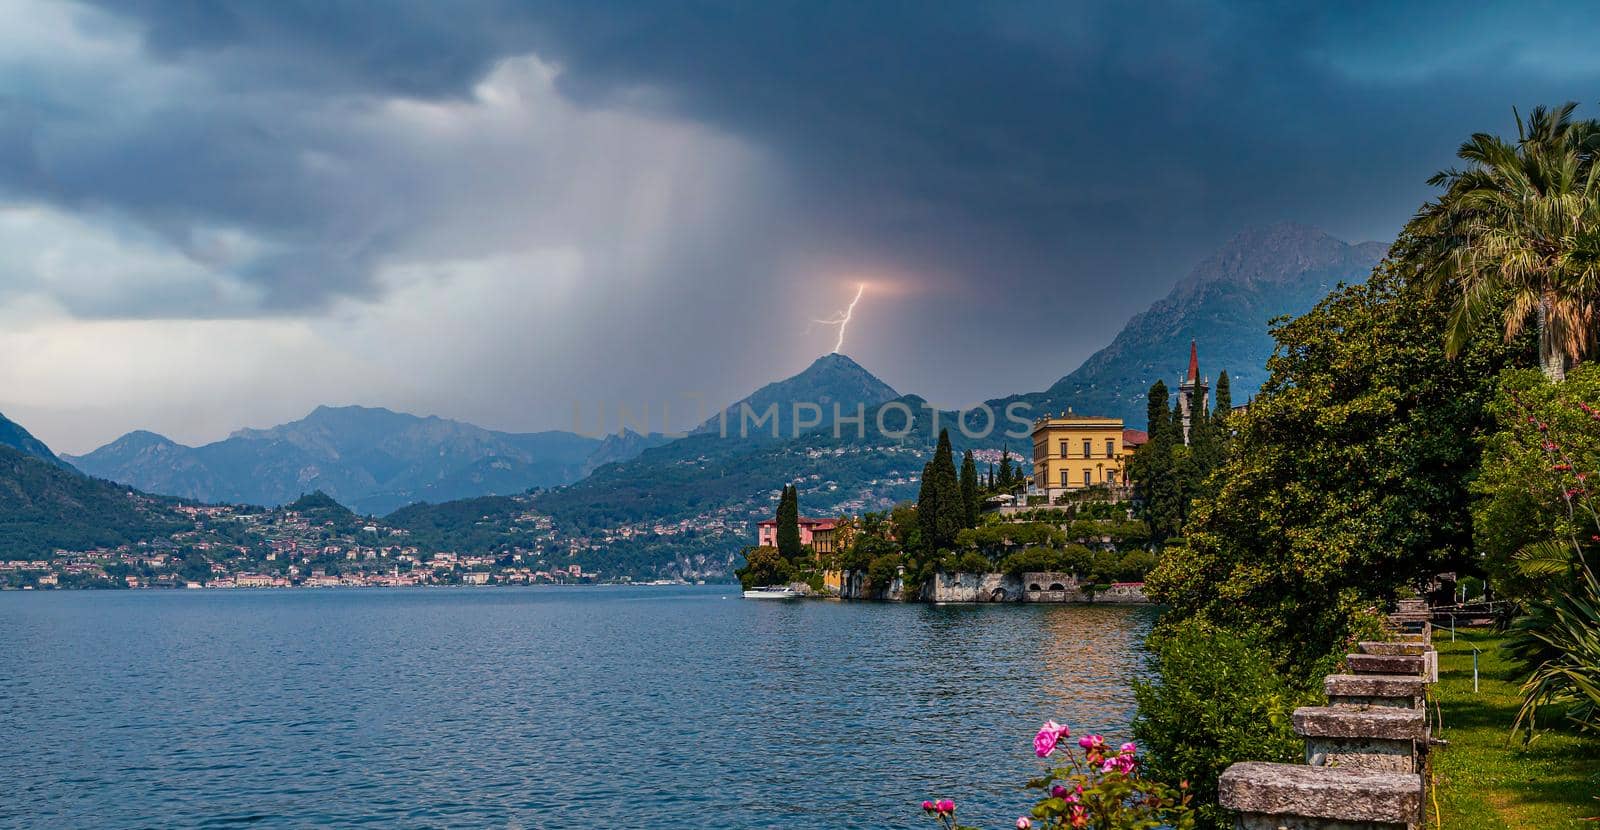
(1072, 452)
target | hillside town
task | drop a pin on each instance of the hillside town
(316, 546)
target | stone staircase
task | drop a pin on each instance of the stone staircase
(1366, 751)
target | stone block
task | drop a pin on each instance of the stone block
(1368, 754)
(1408, 664)
(1325, 798)
(1392, 648)
(1375, 722)
(1374, 690)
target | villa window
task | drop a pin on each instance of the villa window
(1087, 453)
(1111, 476)
(1111, 448)
(1065, 481)
(1088, 477)
(1064, 452)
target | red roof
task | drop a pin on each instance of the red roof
(814, 524)
(1194, 363)
(1134, 437)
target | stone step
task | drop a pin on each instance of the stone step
(1372, 738)
(1391, 648)
(1411, 605)
(1400, 690)
(1382, 722)
(1294, 796)
(1385, 663)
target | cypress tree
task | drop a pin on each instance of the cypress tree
(1152, 465)
(969, 490)
(950, 516)
(789, 523)
(1224, 399)
(927, 507)
(1156, 420)
(991, 476)
(1006, 476)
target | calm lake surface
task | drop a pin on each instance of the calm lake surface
(537, 707)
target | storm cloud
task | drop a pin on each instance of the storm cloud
(222, 214)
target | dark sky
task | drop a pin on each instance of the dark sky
(215, 215)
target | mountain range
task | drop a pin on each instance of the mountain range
(1224, 306)
(371, 459)
(653, 505)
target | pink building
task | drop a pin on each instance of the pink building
(818, 533)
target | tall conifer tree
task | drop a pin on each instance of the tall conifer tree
(969, 490)
(789, 523)
(950, 516)
(927, 507)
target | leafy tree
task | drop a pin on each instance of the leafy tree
(789, 524)
(764, 566)
(969, 491)
(1517, 235)
(1350, 472)
(993, 540)
(973, 562)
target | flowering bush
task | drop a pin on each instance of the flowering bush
(1095, 788)
(1540, 473)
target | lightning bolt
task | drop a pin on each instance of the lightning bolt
(842, 319)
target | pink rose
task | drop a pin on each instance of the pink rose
(1092, 742)
(1129, 748)
(1058, 791)
(1023, 823)
(1049, 735)
(927, 806)
(947, 806)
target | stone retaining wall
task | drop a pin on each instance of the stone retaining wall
(994, 587)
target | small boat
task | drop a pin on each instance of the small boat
(772, 592)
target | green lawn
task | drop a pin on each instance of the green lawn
(1485, 782)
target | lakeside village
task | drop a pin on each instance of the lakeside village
(1069, 527)
(312, 543)
(1077, 525)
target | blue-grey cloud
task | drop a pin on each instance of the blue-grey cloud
(985, 153)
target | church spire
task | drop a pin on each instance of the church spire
(1194, 363)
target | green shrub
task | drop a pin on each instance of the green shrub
(1557, 643)
(1219, 700)
(883, 570)
(973, 563)
(1033, 560)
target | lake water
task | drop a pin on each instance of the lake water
(538, 707)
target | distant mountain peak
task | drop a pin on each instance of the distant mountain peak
(1223, 305)
(1274, 254)
(833, 378)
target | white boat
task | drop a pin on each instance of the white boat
(772, 592)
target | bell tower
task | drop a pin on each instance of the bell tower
(1192, 392)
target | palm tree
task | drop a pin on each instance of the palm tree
(1518, 232)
